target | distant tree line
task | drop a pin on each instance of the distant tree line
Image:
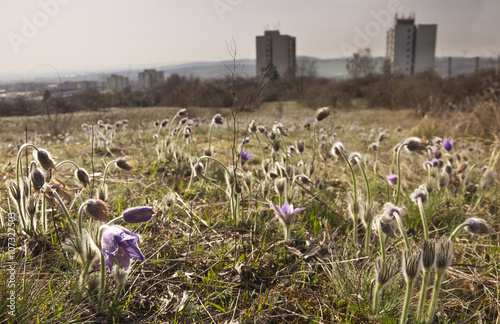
(424, 92)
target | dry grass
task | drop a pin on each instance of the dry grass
(201, 267)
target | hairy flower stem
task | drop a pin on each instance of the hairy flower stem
(106, 172)
(398, 162)
(19, 163)
(424, 219)
(423, 290)
(375, 163)
(355, 200)
(80, 216)
(457, 231)
(68, 217)
(67, 162)
(402, 230)
(381, 240)
(233, 203)
(314, 142)
(367, 184)
(118, 293)
(210, 135)
(284, 148)
(83, 276)
(406, 305)
(260, 144)
(21, 215)
(376, 298)
(44, 215)
(209, 144)
(103, 279)
(435, 294)
(368, 204)
(367, 237)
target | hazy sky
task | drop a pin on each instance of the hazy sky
(112, 34)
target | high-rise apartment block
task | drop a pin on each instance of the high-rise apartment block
(116, 82)
(411, 48)
(150, 77)
(275, 51)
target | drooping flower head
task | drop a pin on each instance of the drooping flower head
(354, 157)
(137, 214)
(252, 127)
(428, 164)
(422, 193)
(245, 156)
(279, 128)
(337, 149)
(415, 144)
(43, 157)
(477, 226)
(82, 176)
(218, 119)
(390, 209)
(487, 178)
(448, 144)
(300, 145)
(392, 179)
(98, 209)
(199, 169)
(182, 112)
(37, 179)
(322, 113)
(117, 242)
(123, 164)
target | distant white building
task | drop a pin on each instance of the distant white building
(150, 77)
(116, 82)
(411, 48)
(278, 51)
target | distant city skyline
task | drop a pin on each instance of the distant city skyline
(112, 34)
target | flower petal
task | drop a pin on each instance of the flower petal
(109, 258)
(287, 209)
(295, 211)
(123, 257)
(132, 250)
(277, 209)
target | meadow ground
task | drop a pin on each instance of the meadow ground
(215, 249)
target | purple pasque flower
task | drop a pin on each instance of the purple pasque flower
(245, 156)
(137, 214)
(477, 226)
(392, 179)
(422, 193)
(117, 242)
(427, 165)
(448, 144)
(286, 214)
